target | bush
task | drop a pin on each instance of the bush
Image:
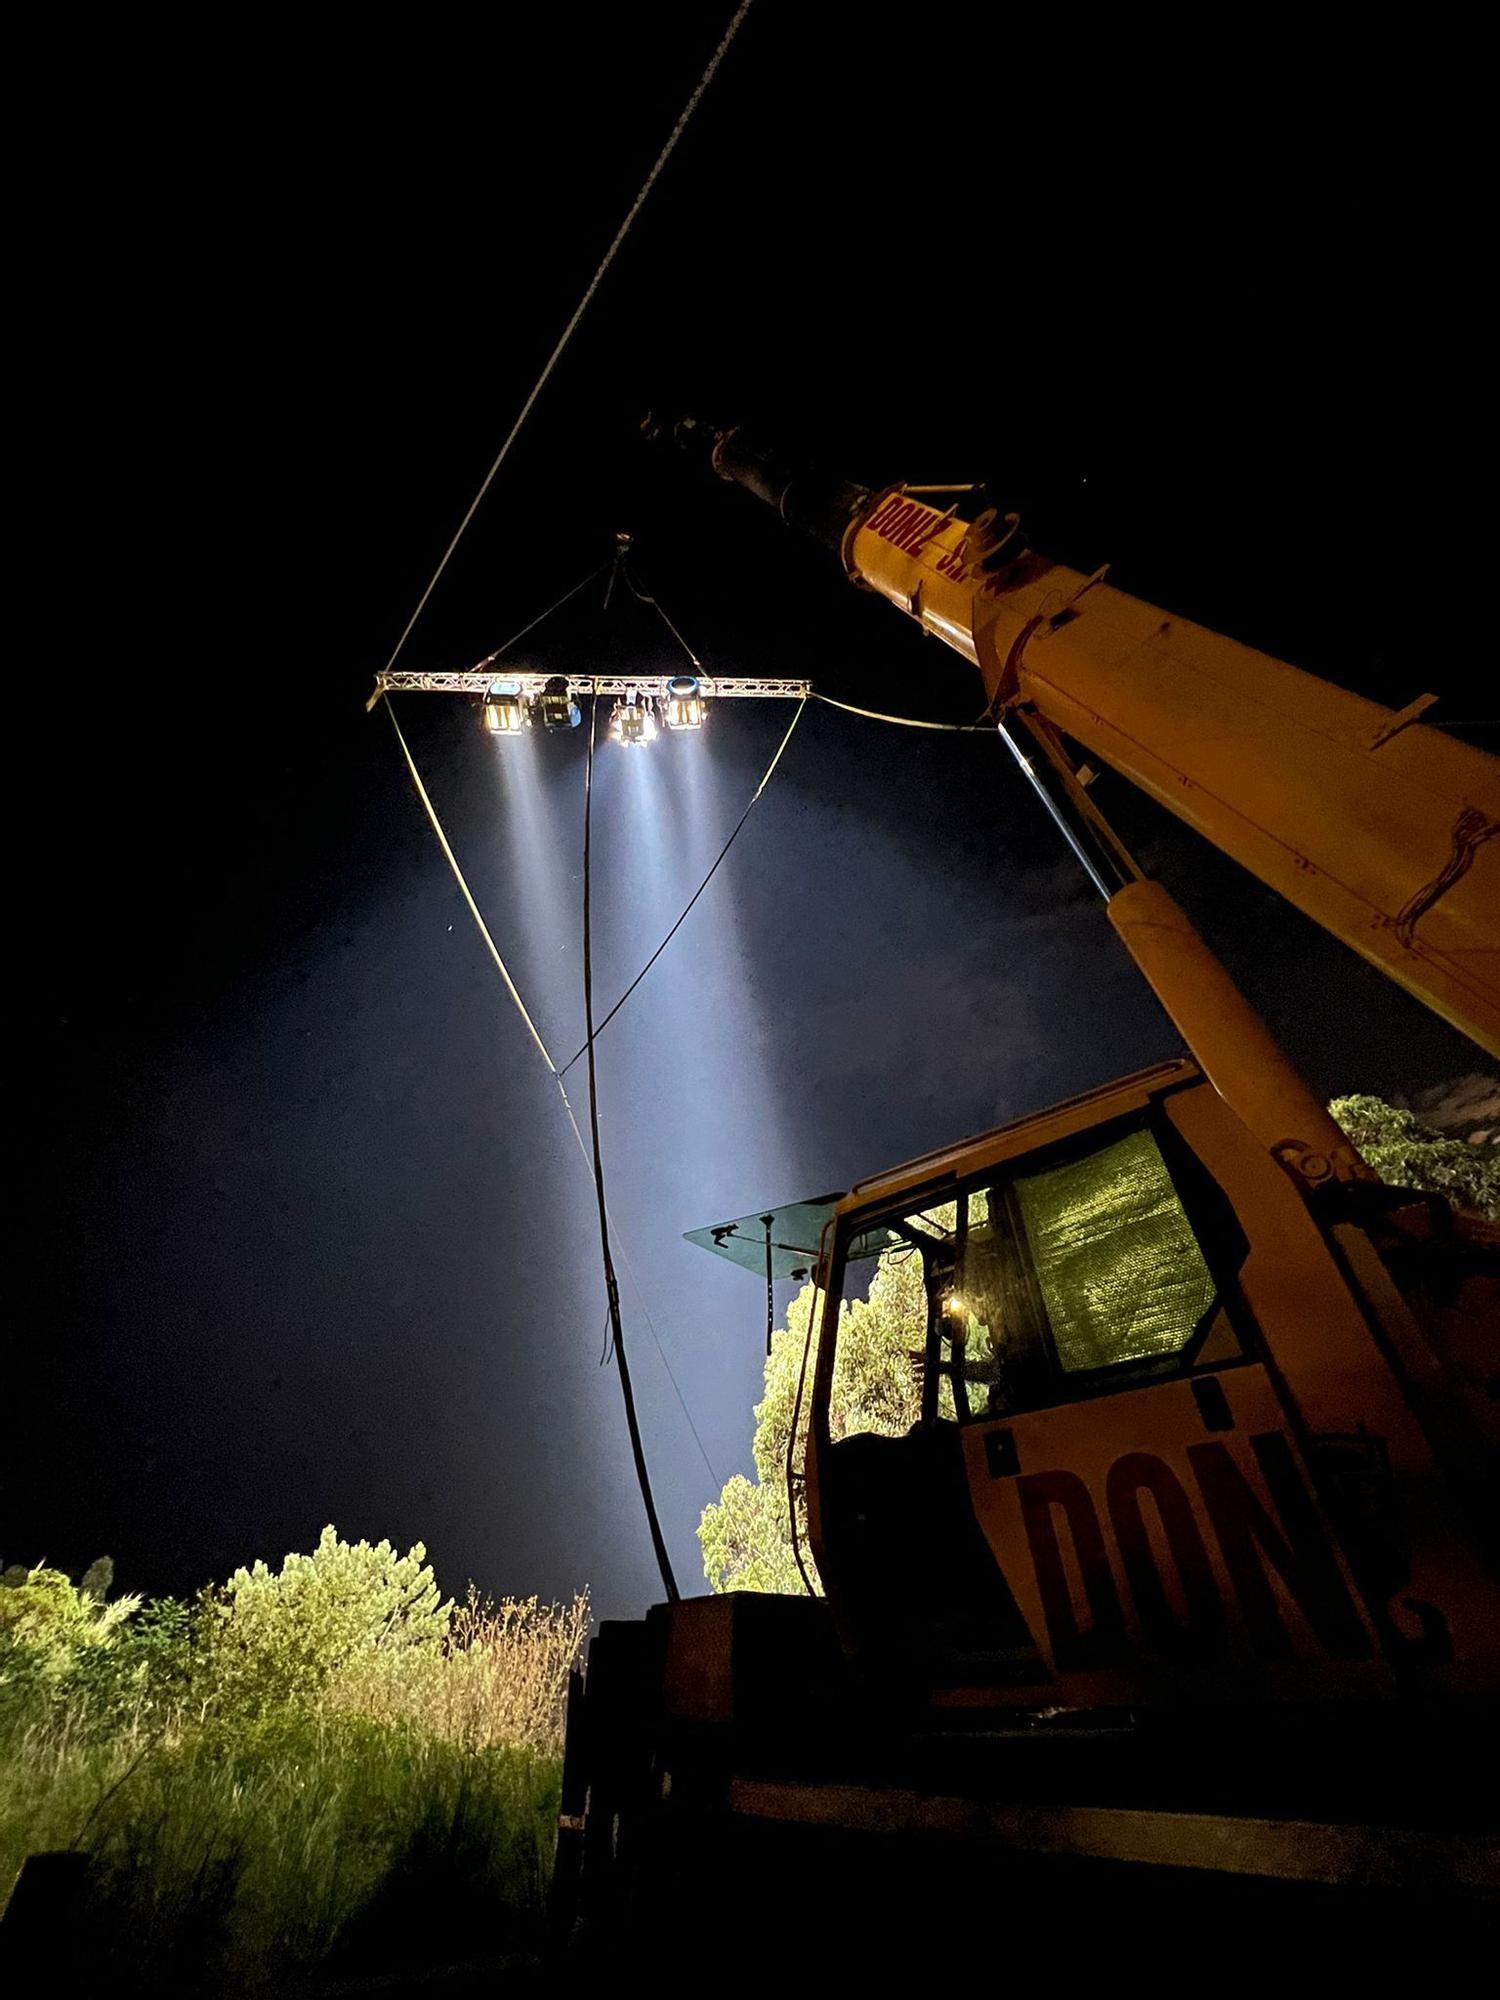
(322, 1763)
(1407, 1153)
(268, 1637)
(42, 1612)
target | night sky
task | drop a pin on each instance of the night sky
(302, 1235)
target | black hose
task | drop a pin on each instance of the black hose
(611, 1283)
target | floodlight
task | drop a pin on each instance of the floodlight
(556, 706)
(684, 703)
(631, 721)
(503, 710)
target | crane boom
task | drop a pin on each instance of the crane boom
(1377, 826)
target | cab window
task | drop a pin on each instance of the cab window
(1120, 1270)
(1064, 1277)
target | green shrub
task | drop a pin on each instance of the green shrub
(1407, 1153)
(268, 1637)
(326, 1763)
(42, 1612)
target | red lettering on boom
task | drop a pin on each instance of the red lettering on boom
(906, 524)
(920, 528)
(900, 525)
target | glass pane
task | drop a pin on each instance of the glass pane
(1116, 1258)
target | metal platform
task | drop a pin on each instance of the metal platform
(1283, 1850)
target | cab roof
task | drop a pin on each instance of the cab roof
(797, 1227)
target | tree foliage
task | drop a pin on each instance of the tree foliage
(745, 1535)
(269, 1636)
(1407, 1153)
(744, 1539)
(66, 1643)
(45, 1614)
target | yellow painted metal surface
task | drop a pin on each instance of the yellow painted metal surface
(1239, 1055)
(1175, 1542)
(1382, 831)
(1154, 1563)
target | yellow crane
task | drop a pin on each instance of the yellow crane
(1199, 1459)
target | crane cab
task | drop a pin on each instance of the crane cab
(1131, 1427)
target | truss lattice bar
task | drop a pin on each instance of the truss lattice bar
(480, 680)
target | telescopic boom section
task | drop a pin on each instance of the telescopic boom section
(1376, 826)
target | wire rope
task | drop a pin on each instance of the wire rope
(572, 326)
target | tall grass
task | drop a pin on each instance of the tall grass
(502, 1678)
(406, 1813)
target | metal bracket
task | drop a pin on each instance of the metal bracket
(1070, 610)
(1396, 723)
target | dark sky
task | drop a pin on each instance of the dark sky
(302, 1235)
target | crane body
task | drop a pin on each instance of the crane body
(1199, 1461)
